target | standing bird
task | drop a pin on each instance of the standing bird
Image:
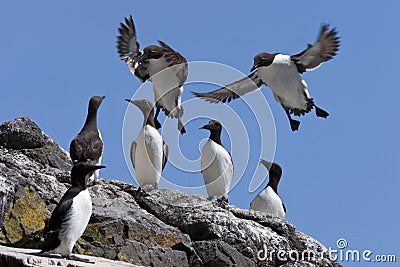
(162, 65)
(216, 164)
(268, 200)
(281, 73)
(72, 214)
(87, 146)
(149, 152)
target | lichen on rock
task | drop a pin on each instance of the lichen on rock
(166, 240)
(26, 215)
(93, 231)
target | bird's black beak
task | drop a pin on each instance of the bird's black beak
(206, 127)
(255, 66)
(267, 164)
(127, 99)
(103, 97)
(96, 167)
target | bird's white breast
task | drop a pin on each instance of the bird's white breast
(166, 85)
(156, 65)
(75, 222)
(217, 169)
(148, 156)
(268, 201)
(285, 82)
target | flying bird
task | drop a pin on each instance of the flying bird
(71, 216)
(281, 73)
(160, 64)
(149, 152)
(268, 200)
(216, 164)
(87, 146)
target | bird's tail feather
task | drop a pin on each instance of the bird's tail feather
(181, 128)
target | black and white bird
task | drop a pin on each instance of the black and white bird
(268, 200)
(162, 65)
(71, 216)
(87, 146)
(281, 73)
(216, 164)
(149, 152)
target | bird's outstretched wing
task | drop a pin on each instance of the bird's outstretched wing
(165, 154)
(51, 239)
(177, 60)
(233, 90)
(323, 50)
(129, 49)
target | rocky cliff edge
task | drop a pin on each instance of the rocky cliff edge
(156, 228)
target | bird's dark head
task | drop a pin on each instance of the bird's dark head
(145, 105)
(263, 60)
(95, 102)
(274, 173)
(151, 52)
(213, 125)
(82, 171)
(215, 129)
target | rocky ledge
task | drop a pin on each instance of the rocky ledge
(22, 257)
(152, 228)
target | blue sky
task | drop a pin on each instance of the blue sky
(340, 175)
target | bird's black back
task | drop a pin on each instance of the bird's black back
(87, 145)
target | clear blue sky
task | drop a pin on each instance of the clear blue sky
(340, 175)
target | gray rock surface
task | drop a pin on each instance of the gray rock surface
(20, 257)
(151, 228)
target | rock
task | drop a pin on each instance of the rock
(19, 257)
(218, 253)
(21, 133)
(26, 216)
(119, 224)
(152, 228)
(37, 167)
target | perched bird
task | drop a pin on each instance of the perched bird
(216, 164)
(72, 214)
(87, 146)
(268, 200)
(281, 73)
(162, 65)
(149, 152)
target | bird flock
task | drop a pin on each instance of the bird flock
(167, 70)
